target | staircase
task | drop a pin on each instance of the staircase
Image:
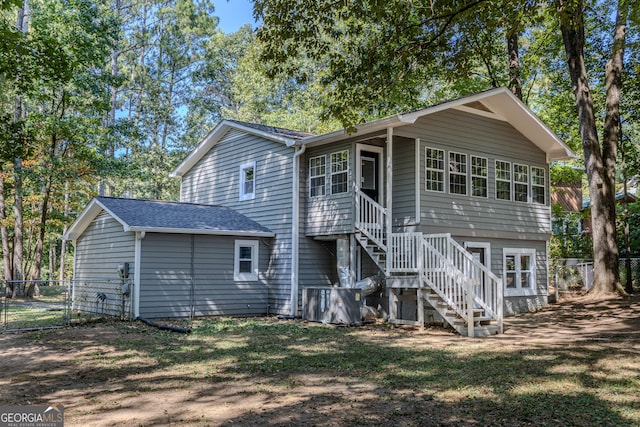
(466, 294)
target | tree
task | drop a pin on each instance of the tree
(600, 160)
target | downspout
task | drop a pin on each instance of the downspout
(295, 229)
(389, 177)
(136, 273)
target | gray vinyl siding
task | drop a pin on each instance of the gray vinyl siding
(404, 182)
(476, 216)
(215, 180)
(98, 252)
(518, 304)
(330, 214)
(184, 275)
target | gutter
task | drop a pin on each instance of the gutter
(295, 229)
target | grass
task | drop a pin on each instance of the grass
(45, 310)
(481, 379)
(281, 372)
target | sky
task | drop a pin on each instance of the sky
(233, 14)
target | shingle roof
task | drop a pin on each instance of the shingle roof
(288, 133)
(175, 217)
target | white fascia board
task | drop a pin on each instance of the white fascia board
(201, 231)
(214, 137)
(89, 214)
(504, 105)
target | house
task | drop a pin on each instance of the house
(449, 204)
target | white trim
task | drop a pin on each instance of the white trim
(481, 245)
(449, 172)
(518, 290)
(346, 171)
(389, 192)
(358, 172)
(445, 162)
(496, 180)
(417, 184)
(324, 175)
(544, 186)
(295, 230)
(239, 276)
(527, 183)
(215, 136)
(500, 101)
(485, 177)
(243, 168)
(238, 233)
(136, 274)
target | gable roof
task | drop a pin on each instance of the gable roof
(285, 136)
(168, 217)
(498, 103)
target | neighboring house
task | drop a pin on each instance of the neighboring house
(620, 198)
(450, 204)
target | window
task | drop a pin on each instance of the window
(457, 173)
(317, 170)
(479, 174)
(248, 181)
(520, 183)
(503, 180)
(339, 172)
(245, 267)
(434, 169)
(519, 271)
(538, 185)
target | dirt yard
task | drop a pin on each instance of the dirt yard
(574, 363)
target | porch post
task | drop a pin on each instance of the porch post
(389, 193)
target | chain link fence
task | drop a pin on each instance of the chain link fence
(575, 276)
(43, 304)
(35, 304)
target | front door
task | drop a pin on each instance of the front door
(369, 172)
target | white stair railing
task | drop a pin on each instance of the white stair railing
(462, 279)
(371, 219)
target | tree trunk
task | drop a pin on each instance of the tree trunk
(18, 114)
(63, 245)
(599, 165)
(6, 254)
(515, 82)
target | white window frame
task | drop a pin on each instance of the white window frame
(429, 183)
(340, 172)
(462, 164)
(323, 175)
(518, 253)
(242, 193)
(239, 276)
(517, 183)
(509, 181)
(485, 178)
(537, 185)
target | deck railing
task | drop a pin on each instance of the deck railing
(405, 252)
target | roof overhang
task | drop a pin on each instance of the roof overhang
(499, 104)
(94, 208)
(209, 232)
(215, 136)
(90, 212)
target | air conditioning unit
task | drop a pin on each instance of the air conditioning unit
(339, 306)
